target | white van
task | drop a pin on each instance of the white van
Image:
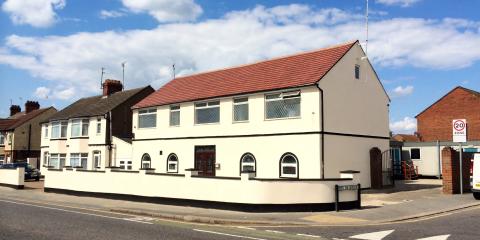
(476, 176)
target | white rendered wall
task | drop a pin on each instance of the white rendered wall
(13, 177)
(224, 190)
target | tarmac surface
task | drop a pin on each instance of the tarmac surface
(417, 210)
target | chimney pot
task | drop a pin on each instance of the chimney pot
(111, 86)
(14, 109)
(31, 105)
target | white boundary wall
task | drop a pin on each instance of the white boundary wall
(12, 177)
(232, 190)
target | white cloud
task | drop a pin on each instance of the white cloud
(239, 37)
(42, 92)
(166, 10)
(402, 91)
(37, 13)
(64, 94)
(406, 125)
(104, 14)
(402, 3)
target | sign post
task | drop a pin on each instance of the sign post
(459, 128)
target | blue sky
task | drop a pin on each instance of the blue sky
(52, 50)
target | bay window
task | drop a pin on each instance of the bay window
(59, 129)
(79, 128)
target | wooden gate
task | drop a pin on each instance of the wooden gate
(381, 168)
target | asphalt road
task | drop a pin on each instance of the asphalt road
(27, 220)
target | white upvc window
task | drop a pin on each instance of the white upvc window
(59, 129)
(97, 160)
(2, 139)
(175, 115)
(45, 131)
(147, 118)
(172, 163)
(282, 105)
(57, 160)
(288, 166)
(79, 128)
(247, 163)
(99, 126)
(79, 160)
(207, 112)
(146, 161)
(45, 158)
(240, 109)
(126, 164)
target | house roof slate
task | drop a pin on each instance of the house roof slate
(20, 118)
(95, 106)
(304, 69)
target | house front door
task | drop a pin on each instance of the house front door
(205, 160)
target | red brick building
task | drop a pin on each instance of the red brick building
(435, 122)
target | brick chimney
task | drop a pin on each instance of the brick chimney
(14, 109)
(111, 86)
(31, 105)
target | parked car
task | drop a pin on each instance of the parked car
(30, 171)
(476, 176)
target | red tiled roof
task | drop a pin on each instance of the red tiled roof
(406, 138)
(292, 71)
(19, 119)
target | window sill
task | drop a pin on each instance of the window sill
(206, 124)
(56, 139)
(246, 121)
(286, 118)
(146, 128)
(80, 137)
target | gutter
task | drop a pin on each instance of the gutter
(322, 134)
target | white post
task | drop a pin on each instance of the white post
(461, 170)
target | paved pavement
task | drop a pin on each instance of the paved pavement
(409, 200)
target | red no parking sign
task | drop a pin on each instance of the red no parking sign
(459, 128)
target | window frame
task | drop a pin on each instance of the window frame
(208, 104)
(81, 122)
(419, 154)
(149, 161)
(62, 129)
(249, 164)
(98, 131)
(357, 71)
(45, 133)
(234, 104)
(290, 94)
(99, 163)
(174, 109)
(169, 161)
(147, 111)
(2, 139)
(296, 165)
(46, 158)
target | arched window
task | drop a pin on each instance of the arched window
(289, 166)
(248, 163)
(146, 161)
(172, 163)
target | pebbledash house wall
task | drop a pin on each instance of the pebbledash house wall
(355, 119)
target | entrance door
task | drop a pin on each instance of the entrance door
(205, 160)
